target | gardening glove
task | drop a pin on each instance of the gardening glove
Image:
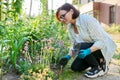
(63, 61)
(83, 53)
(67, 57)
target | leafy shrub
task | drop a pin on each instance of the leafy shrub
(113, 29)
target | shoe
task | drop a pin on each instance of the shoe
(104, 67)
(94, 72)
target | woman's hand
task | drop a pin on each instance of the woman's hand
(70, 53)
(63, 61)
(84, 52)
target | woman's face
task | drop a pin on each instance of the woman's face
(65, 17)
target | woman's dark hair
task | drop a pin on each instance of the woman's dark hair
(67, 8)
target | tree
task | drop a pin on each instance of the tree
(30, 7)
(75, 2)
(10, 9)
(1, 10)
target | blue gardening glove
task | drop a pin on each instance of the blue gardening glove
(63, 61)
(83, 53)
(67, 56)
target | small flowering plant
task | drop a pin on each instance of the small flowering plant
(38, 73)
(53, 49)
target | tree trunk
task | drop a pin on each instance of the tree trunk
(0, 10)
(30, 8)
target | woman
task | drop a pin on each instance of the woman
(96, 47)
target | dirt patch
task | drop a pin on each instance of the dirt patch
(10, 76)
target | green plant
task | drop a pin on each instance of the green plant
(23, 66)
(38, 72)
(53, 49)
(11, 9)
(15, 35)
(12, 41)
(113, 29)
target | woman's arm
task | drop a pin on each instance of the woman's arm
(93, 49)
(96, 33)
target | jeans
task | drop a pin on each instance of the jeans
(92, 60)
